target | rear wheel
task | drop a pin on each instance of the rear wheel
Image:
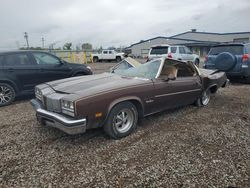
(197, 62)
(7, 94)
(204, 99)
(122, 120)
(118, 59)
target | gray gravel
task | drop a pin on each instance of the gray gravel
(185, 147)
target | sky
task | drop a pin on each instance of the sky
(114, 22)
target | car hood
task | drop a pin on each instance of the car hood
(94, 84)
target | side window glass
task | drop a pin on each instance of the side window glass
(17, 60)
(105, 52)
(173, 49)
(46, 59)
(110, 52)
(188, 51)
(182, 50)
(184, 71)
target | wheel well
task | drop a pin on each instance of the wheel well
(11, 84)
(95, 57)
(197, 59)
(213, 89)
(118, 56)
(138, 106)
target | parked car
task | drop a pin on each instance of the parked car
(231, 58)
(115, 101)
(21, 71)
(176, 52)
(108, 55)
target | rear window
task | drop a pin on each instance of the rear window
(235, 50)
(159, 50)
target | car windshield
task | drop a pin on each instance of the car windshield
(159, 50)
(235, 50)
(148, 70)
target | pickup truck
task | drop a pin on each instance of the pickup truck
(108, 55)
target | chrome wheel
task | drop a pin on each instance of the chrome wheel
(205, 97)
(124, 120)
(6, 95)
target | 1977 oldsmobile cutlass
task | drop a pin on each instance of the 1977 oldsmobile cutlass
(115, 101)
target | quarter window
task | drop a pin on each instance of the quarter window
(46, 59)
(184, 71)
(173, 49)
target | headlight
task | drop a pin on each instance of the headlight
(68, 107)
(88, 67)
(38, 94)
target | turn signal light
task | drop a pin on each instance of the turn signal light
(245, 57)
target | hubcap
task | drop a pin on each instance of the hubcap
(123, 121)
(5, 94)
(205, 97)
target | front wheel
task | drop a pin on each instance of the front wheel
(204, 99)
(122, 120)
(95, 59)
(7, 94)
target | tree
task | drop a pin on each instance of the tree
(67, 46)
(87, 46)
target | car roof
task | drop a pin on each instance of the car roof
(160, 45)
(20, 51)
(231, 44)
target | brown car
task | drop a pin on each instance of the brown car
(115, 101)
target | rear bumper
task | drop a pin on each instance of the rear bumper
(65, 124)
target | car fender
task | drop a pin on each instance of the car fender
(17, 89)
(123, 99)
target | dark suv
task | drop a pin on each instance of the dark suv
(234, 59)
(20, 71)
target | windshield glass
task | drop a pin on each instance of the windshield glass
(148, 70)
(235, 50)
(159, 50)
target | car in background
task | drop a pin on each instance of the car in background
(108, 55)
(232, 58)
(21, 71)
(115, 101)
(181, 53)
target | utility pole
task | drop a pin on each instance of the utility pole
(27, 39)
(43, 41)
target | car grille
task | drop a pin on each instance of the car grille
(52, 105)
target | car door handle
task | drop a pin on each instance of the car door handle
(10, 70)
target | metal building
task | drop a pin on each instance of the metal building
(199, 42)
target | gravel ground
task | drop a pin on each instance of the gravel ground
(185, 147)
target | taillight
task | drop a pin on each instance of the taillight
(245, 57)
(206, 58)
(170, 55)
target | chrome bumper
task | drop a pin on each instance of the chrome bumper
(67, 125)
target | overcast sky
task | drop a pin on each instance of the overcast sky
(114, 22)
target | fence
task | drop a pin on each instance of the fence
(74, 56)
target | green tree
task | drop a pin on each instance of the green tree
(87, 46)
(67, 46)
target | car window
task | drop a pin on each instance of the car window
(235, 50)
(173, 49)
(159, 50)
(46, 59)
(123, 65)
(18, 59)
(184, 70)
(110, 52)
(182, 50)
(248, 49)
(188, 51)
(105, 52)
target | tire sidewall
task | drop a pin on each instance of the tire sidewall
(209, 96)
(13, 94)
(109, 126)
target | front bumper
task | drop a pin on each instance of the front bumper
(65, 124)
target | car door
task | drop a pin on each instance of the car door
(105, 54)
(183, 90)
(50, 67)
(20, 68)
(182, 53)
(189, 54)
